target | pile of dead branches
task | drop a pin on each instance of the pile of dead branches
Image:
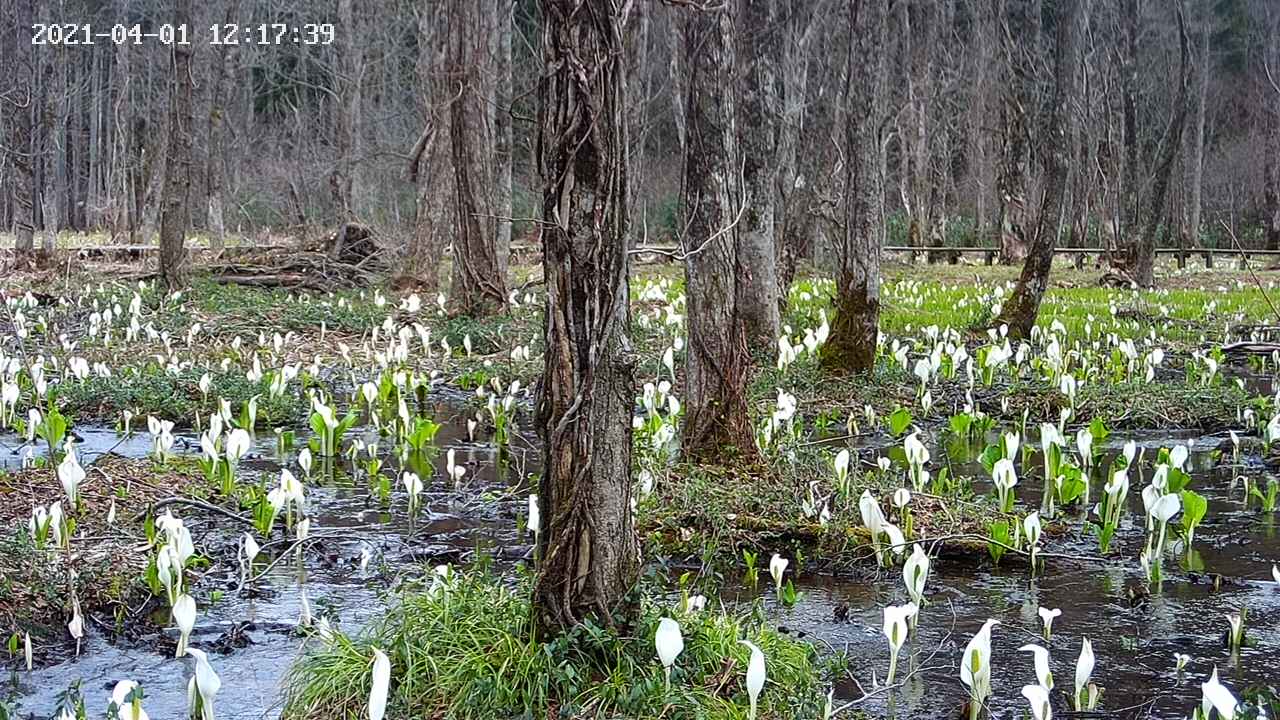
(348, 258)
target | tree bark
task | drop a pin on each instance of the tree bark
(717, 360)
(587, 545)
(855, 327)
(21, 107)
(479, 284)
(429, 167)
(1020, 311)
(1271, 126)
(175, 214)
(1019, 50)
(1137, 261)
(502, 130)
(215, 175)
(759, 40)
(1197, 141)
(792, 219)
(342, 176)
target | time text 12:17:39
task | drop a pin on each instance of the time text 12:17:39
(183, 34)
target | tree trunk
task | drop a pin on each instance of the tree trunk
(587, 545)
(1020, 311)
(792, 218)
(717, 360)
(502, 130)
(1138, 260)
(1197, 142)
(1020, 25)
(479, 285)
(1271, 126)
(21, 108)
(851, 346)
(757, 289)
(342, 176)
(1131, 14)
(215, 180)
(175, 213)
(429, 167)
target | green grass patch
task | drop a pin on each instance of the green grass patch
(466, 652)
(151, 390)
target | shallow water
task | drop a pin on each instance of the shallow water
(1134, 642)
(347, 521)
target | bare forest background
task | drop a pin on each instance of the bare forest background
(420, 121)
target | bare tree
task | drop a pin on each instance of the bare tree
(1137, 261)
(175, 212)
(19, 103)
(429, 169)
(856, 325)
(342, 178)
(1269, 60)
(588, 549)
(1019, 48)
(1021, 309)
(479, 284)
(215, 140)
(502, 128)
(717, 360)
(791, 215)
(760, 48)
(1198, 137)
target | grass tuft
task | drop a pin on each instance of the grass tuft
(466, 652)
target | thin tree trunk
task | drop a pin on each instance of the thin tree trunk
(502, 130)
(342, 176)
(757, 288)
(1019, 27)
(175, 214)
(792, 219)
(855, 327)
(1020, 311)
(587, 545)
(22, 108)
(1138, 260)
(1271, 126)
(717, 360)
(215, 174)
(1197, 142)
(479, 285)
(429, 167)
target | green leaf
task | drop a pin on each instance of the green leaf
(1194, 507)
(961, 423)
(899, 421)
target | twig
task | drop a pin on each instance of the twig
(193, 503)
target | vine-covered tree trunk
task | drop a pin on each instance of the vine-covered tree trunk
(1021, 309)
(717, 360)
(479, 284)
(760, 49)
(175, 211)
(587, 545)
(855, 327)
